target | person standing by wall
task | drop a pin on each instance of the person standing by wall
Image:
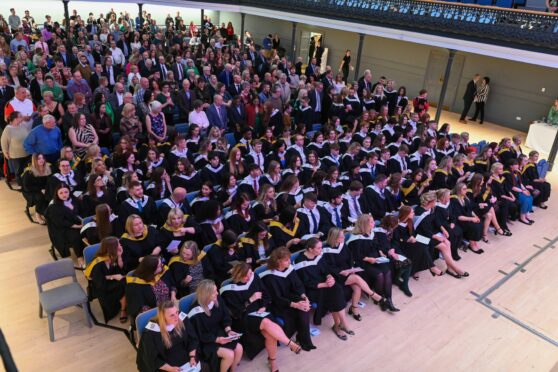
(480, 99)
(346, 65)
(468, 97)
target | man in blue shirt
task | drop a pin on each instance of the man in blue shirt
(17, 42)
(45, 139)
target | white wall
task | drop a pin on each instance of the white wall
(39, 8)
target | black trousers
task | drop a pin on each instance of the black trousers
(466, 107)
(479, 109)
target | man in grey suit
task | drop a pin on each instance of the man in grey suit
(217, 113)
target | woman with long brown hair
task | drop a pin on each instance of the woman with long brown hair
(483, 205)
(104, 224)
(461, 208)
(107, 275)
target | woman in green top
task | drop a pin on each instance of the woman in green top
(553, 113)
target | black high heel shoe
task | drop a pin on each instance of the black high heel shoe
(432, 273)
(391, 307)
(503, 232)
(455, 275)
(384, 304)
(357, 317)
(484, 239)
(296, 350)
(478, 251)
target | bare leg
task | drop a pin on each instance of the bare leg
(271, 348)
(354, 279)
(227, 358)
(237, 356)
(273, 330)
(446, 253)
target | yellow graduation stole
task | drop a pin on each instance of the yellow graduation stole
(136, 280)
(128, 236)
(91, 265)
(407, 190)
(527, 166)
(439, 170)
(284, 228)
(176, 259)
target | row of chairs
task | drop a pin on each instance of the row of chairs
(497, 3)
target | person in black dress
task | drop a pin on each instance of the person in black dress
(64, 222)
(265, 207)
(461, 208)
(150, 285)
(256, 245)
(107, 276)
(447, 222)
(138, 241)
(483, 205)
(177, 229)
(97, 193)
(34, 179)
(322, 288)
(346, 65)
(241, 216)
(533, 180)
(210, 319)
(220, 255)
(247, 300)
(186, 268)
(104, 224)
(288, 298)
(418, 253)
(428, 231)
(365, 254)
(168, 341)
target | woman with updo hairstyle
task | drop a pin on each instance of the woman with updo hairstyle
(107, 276)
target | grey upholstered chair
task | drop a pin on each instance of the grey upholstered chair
(61, 297)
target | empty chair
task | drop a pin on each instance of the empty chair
(484, 2)
(469, 1)
(61, 297)
(142, 319)
(182, 128)
(230, 139)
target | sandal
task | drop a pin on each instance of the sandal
(270, 362)
(339, 336)
(484, 239)
(347, 331)
(356, 316)
(297, 349)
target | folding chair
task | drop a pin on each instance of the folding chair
(61, 297)
(141, 321)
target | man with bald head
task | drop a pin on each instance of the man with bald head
(176, 200)
(116, 99)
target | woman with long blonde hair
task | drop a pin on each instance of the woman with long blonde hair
(211, 321)
(168, 342)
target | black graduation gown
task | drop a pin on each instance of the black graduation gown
(208, 328)
(32, 190)
(89, 233)
(440, 180)
(153, 354)
(148, 212)
(425, 224)
(238, 223)
(236, 297)
(282, 234)
(133, 248)
(166, 237)
(109, 292)
(191, 183)
(530, 174)
(249, 252)
(443, 217)
(217, 265)
(376, 203)
(286, 287)
(471, 231)
(260, 213)
(181, 269)
(362, 246)
(315, 271)
(142, 296)
(90, 203)
(418, 253)
(59, 220)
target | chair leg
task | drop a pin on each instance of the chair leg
(51, 326)
(85, 307)
(28, 214)
(40, 311)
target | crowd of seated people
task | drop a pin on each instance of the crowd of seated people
(286, 196)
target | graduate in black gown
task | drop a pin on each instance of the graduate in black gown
(322, 288)
(138, 241)
(209, 316)
(339, 260)
(288, 298)
(104, 224)
(64, 223)
(108, 279)
(284, 231)
(447, 222)
(247, 300)
(177, 229)
(150, 285)
(220, 258)
(187, 269)
(400, 264)
(429, 232)
(366, 255)
(34, 179)
(533, 181)
(418, 253)
(461, 208)
(168, 341)
(256, 245)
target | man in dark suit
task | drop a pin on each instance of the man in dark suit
(468, 97)
(217, 113)
(237, 113)
(185, 100)
(95, 75)
(6, 94)
(178, 69)
(111, 72)
(316, 97)
(226, 77)
(235, 88)
(162, 68)
(311, 68)
(365, 82)
(124, 46)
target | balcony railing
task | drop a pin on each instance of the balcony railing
(529, 30)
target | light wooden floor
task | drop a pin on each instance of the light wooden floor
(442, 327)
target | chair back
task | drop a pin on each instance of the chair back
(230, 139)
(226, 282)
(142, 319)
(542, 167)
(86, 220)
(89, 253)
(295, 255)
(51, 271)
(484, 2)
(186, 302)
(260, 269)
(316, 127)
(158, 203)
(504, 3)
(191, 196)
